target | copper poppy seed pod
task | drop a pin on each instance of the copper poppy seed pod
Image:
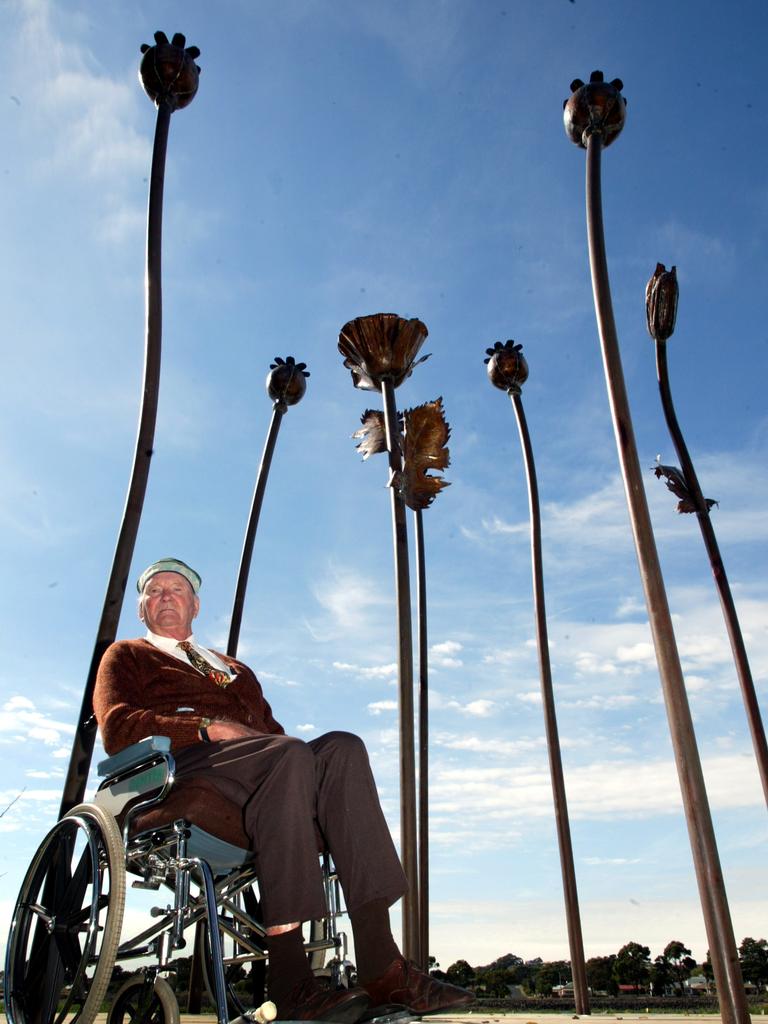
(661, 294)
(507, 367)
(168, 70)
(287, 380)
(597, 107)
(381, 347)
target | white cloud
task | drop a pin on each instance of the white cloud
(497, 525)
(598, 522)
(350, 599)
(603, 790)
(489, 745)
(505, 656)
(443, 655)
(603, 702)
(588, 664)
(480, 708)
(641, 653)
(630, 606)
(611, 861)
(531, 697)
(367, 671)
(376, 707)
(87, 117)
(35, 795)
(20, 722)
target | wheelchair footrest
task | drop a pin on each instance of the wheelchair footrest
(394, 1014)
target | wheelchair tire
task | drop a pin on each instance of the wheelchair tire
(127, 1006)
(66, 922)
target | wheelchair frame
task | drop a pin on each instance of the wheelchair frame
(52, 921)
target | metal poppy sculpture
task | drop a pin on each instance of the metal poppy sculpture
(508, 371)
(661, 299)
(424, 434)
(286, 385)
(169, 76)
(593, 116)
(381, 351)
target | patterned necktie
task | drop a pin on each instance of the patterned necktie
(203, 665)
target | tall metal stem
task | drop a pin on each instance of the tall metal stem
(575, 941)
(718, 571)
(717, 920)
(421, 615)
(405, 682)
(82, 746)
(278, 411)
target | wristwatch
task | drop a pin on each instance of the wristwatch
(203, 729)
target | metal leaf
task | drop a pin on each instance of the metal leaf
(372, 435)
(675, 482)
(425, 436)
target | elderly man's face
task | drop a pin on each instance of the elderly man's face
(168, 605)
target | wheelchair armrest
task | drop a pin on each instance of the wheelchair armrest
(134, 755)
(139, 776)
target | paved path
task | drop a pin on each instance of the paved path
(528, 1017)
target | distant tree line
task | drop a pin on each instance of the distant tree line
(629, 970)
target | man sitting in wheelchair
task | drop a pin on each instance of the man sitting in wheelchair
(240, 777)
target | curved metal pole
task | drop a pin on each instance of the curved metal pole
(278, 410)
(405, 680)
(718, 571)
(575, 941)
(717, 919)
(423, 794)
(82, 746)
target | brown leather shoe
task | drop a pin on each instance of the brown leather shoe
(404, 983)
(307, 1002)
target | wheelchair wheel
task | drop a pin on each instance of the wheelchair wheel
(66, 923)
(137, 1002)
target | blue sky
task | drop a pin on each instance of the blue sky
(343, 159)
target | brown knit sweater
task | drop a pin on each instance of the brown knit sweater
(140, 691)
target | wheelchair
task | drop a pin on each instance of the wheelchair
(65, 936)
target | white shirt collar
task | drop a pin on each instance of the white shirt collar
(170, 645)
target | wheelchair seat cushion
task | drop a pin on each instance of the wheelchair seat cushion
(201, 803)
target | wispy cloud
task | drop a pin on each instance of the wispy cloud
(367, 671)
(611, 861)
(350, 600)
(598, 521)
(602, 790)
(21, 722)
(89, 115)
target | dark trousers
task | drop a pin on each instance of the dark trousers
(289, 791)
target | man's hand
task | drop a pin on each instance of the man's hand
(229, 731)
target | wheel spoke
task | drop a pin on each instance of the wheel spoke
(50, 988)
(71, 954)
(33, 977)
(73, 900)
(39, 911)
